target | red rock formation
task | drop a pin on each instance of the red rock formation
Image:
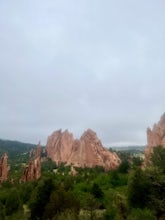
(33, 170)
(4, 168)
(59, 146)
(86, 152)
(155, 137)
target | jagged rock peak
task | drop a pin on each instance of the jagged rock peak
(162, 119)
(85, 152)
(90, 134)
(155, 137)
(60, 132)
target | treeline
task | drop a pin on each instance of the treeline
(128, 193)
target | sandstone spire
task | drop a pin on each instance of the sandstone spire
(33, 170)
(155, 137)
(4, 168)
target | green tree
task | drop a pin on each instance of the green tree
(90, 205)
(156, 200)
(25, 189)
(137, 162)
(114, 178)
(48, 166)
(138, 189)
(2, 211)
(61, 202)
(124, 166)
(140, 214)
(146, 189)
(12, 202)
(96, 191)
(158, 157)
(40, 198)
(121, 207)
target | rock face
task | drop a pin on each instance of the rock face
(4, 168)
(33, 170)
(155, 137)
(85, 152)
(59, 146)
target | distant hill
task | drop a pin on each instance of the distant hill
(129, 148)
(14, 148)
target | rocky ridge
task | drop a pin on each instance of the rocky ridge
(88, 151)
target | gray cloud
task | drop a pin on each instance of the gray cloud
(79, 64)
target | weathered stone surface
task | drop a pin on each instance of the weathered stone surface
(85, 152)
(155, 137)
(59, 146)
(33, 170)
(4, 168)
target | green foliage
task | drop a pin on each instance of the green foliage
(121, 207)
(61, 202)
(110, 213)
(96, 191)
(12, 202)
(140, 214)
(124, 166)
(82, 187)
(137, 161)
(117, 179)
(48, 166)
(17, 216)
(138, 189)
(157, 191)
(146, 189)
(25, 191)
(63, 169)
(114, 178)
(40, 198)
(91, 204)
(2, 211)
(158, 157)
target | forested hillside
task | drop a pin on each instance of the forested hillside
(14, 148)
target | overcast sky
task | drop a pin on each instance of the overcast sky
(75, 65)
